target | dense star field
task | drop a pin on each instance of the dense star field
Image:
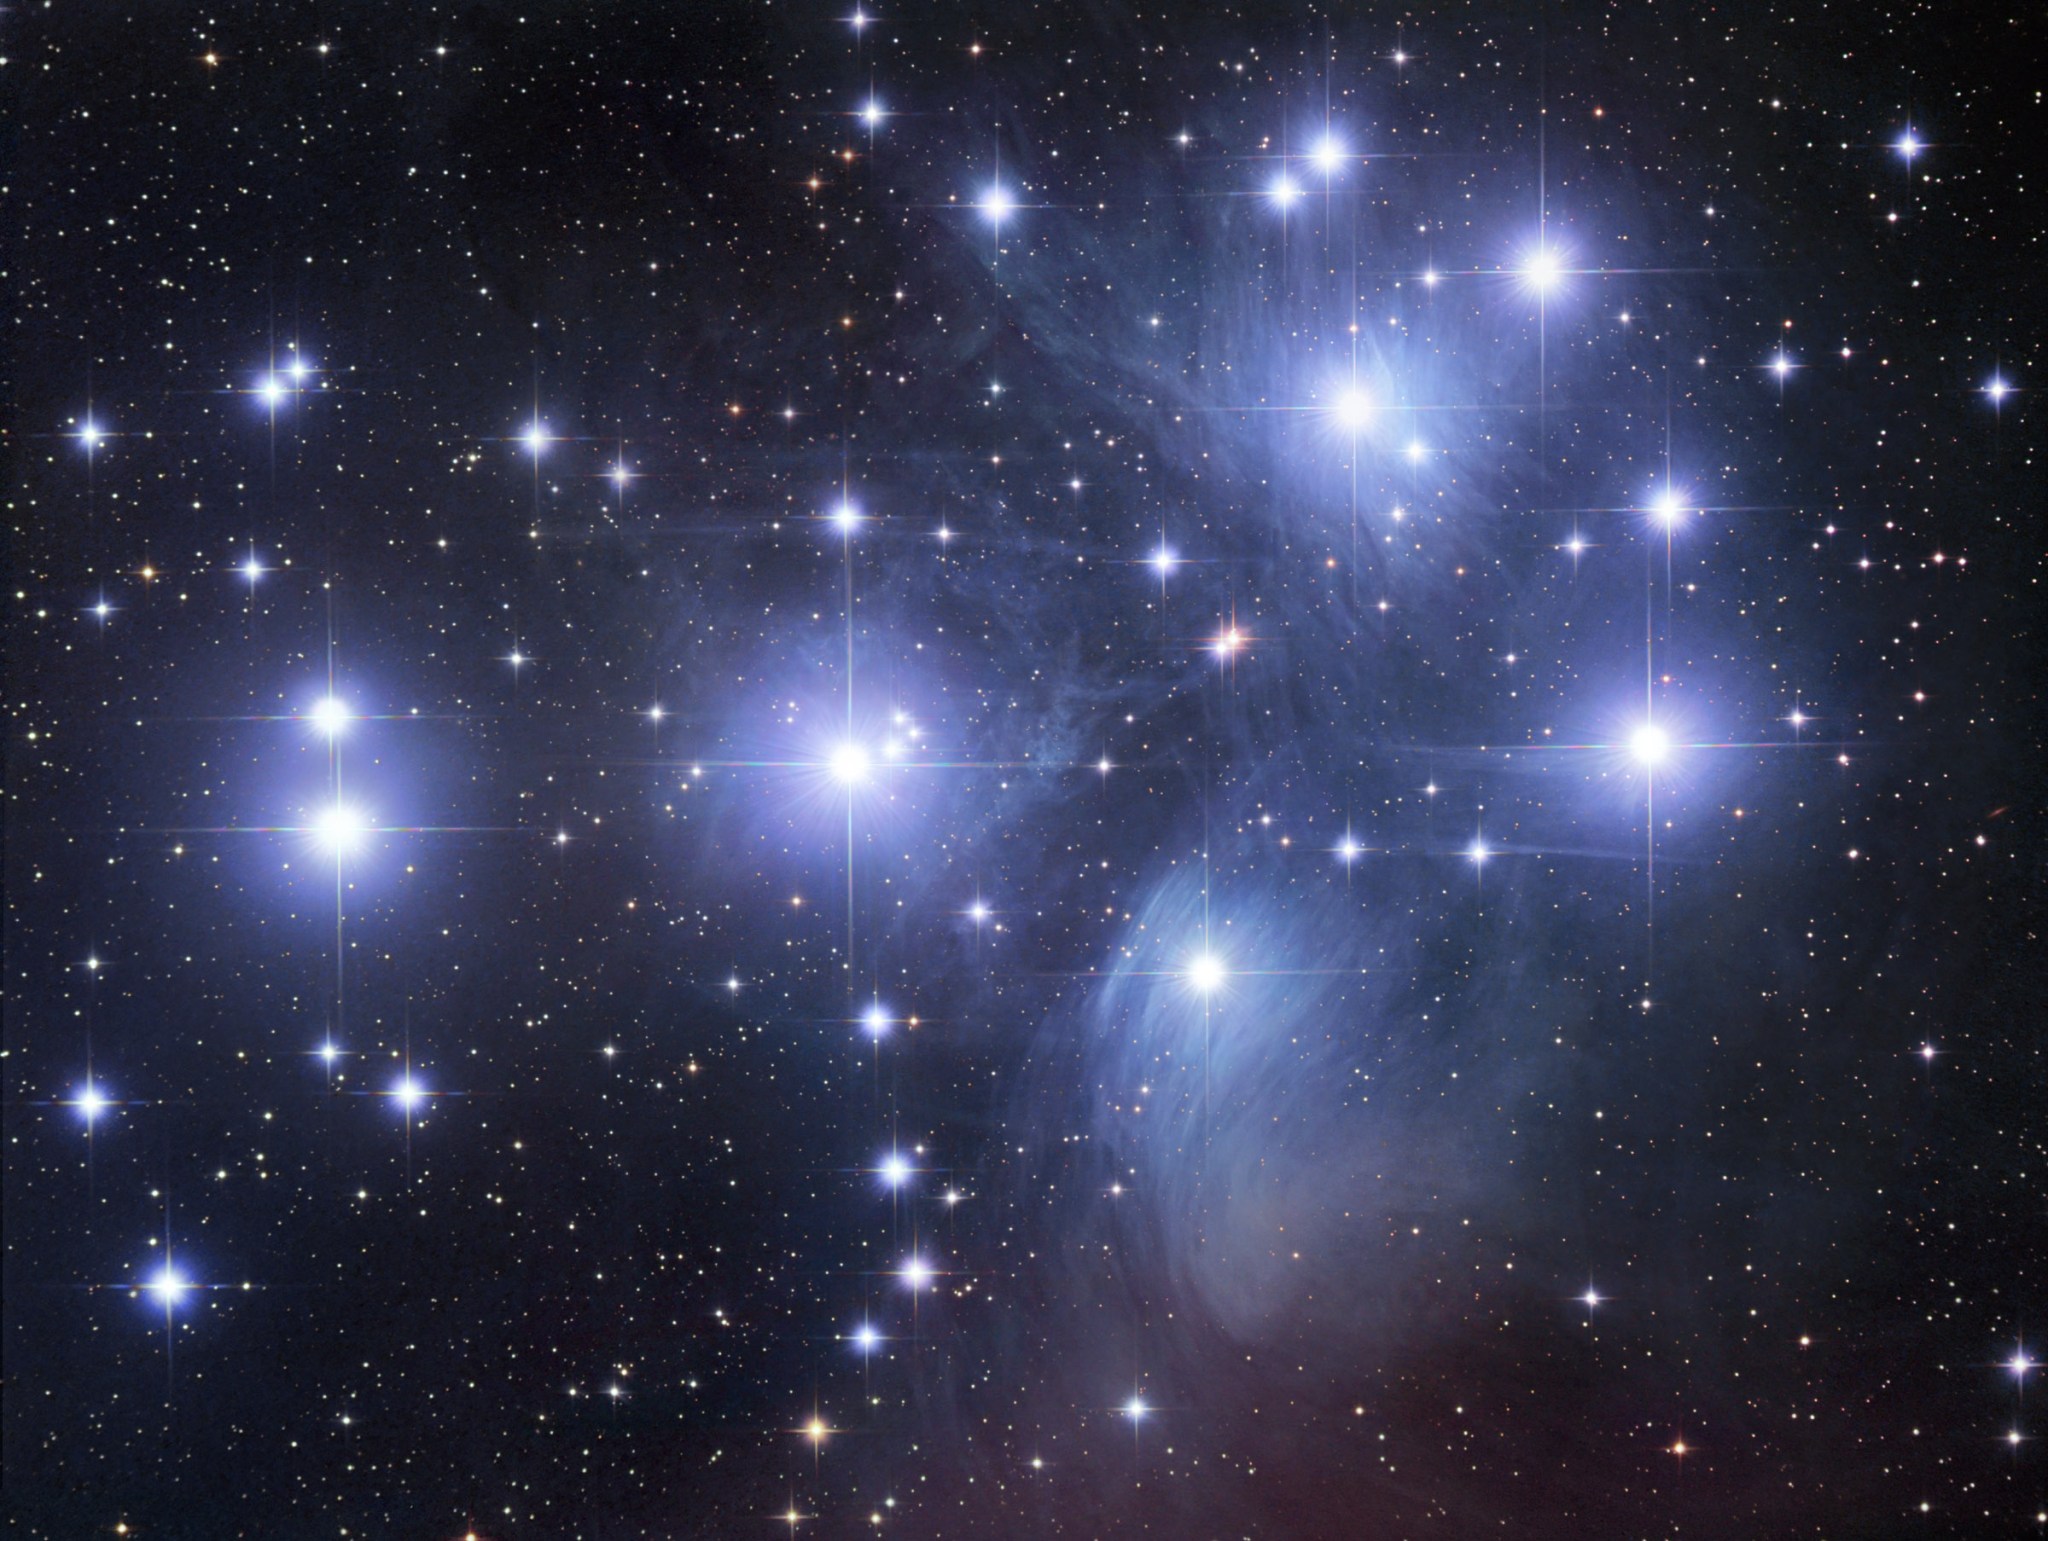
(1046, 772)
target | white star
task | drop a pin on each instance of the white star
(330, 715)
(339, 828)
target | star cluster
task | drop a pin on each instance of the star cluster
(1084, 772)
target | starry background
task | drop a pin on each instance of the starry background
(1114, 677)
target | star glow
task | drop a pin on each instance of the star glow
(1353, 409)
(1542, 270)
(340, 828)
(330, 715)
(167, 1285)
(850, 764)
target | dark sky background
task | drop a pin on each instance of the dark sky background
(1352, 1083)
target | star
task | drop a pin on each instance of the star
(330, 715)
(997, 203)
(339, 828)
(168, 1285)
(895, 1171)
(1353, 410)
(1542, 269)
(1649, 744)
(1206, 973)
